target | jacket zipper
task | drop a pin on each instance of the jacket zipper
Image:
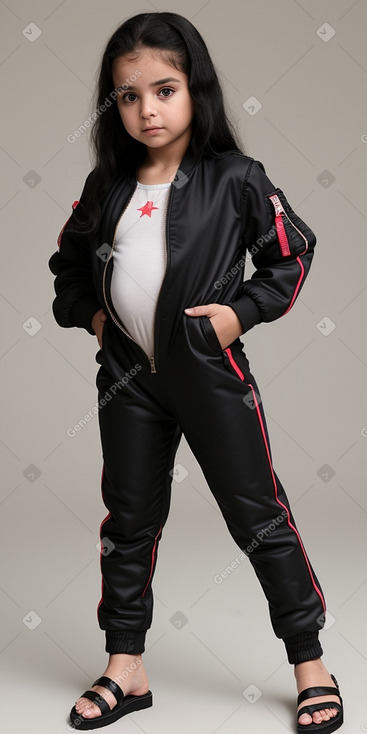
(152, 359)
(282, 236)
(116, 321)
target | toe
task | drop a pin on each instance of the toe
(317, 716)
(81, 704)
(85, 707)
(91, 711)
(305, 719)
(320, 716)
(334, 712)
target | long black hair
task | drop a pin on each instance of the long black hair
(183, 48)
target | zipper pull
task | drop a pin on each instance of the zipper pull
(279, 224)
(152, 364)
(277, 204)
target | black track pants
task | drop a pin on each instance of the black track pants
(210, 395)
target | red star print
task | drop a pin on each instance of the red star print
(147, 209)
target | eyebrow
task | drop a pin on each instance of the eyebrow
(155, 84)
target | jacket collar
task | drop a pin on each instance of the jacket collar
(189, 160)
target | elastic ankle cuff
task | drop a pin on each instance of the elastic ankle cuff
(132, 643)
(303, 646)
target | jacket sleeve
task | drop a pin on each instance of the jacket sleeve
(281, 246)
(76, 300)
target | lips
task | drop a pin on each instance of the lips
(151, 128)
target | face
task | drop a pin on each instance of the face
(144, 103)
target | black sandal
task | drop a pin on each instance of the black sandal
(125, 705)
(325, 726)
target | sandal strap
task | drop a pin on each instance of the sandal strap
(97, 699)
(112, 686)
(318, 706)
(317, 691)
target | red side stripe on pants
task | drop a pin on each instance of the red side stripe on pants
(100, 533)
(242, 377)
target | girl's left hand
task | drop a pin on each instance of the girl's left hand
(224, 319)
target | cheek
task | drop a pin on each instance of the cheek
(124, 114)
(188, 108)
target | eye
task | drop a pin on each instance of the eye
(126, 97)
(167, 89)
(128, 94)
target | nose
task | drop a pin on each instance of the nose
(147, 106)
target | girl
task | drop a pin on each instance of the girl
(151, 261)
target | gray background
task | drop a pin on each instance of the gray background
(311, 135)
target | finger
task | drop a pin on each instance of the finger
(197, 310)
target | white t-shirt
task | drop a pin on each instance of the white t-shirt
(139, 262)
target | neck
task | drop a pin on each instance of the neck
(168, 156)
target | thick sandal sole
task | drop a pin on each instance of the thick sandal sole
(325, 726)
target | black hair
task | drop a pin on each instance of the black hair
(181, 46)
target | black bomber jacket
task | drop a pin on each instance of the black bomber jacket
(221, 210)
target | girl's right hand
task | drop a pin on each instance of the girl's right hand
(97, 324)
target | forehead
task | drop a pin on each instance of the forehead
(148, 59)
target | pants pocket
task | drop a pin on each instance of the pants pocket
(210, 334)
(237, 363)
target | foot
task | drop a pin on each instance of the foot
(310, 674)
(128, 672)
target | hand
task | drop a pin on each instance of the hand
(97, 324)
(224, 319)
